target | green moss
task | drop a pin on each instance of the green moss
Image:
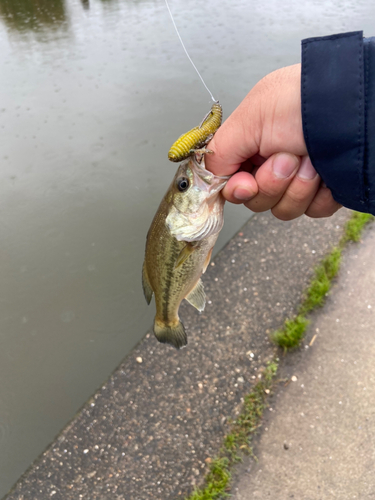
(216, 482)
(321, 281)
(292, 333)
(354, 226)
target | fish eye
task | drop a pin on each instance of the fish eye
(182, 184)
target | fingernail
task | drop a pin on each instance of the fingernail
(306, 171)
(242, 194)
(284, 165)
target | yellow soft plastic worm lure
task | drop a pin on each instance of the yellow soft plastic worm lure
(197, 137)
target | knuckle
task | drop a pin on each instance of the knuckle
(317, 212)
(296, 197)
(255, 206)
(270, 191)
(284, 214)
(323, 205)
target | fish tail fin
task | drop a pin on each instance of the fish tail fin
(173, 333)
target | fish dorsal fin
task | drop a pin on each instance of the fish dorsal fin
(197, 297)
(147, 290)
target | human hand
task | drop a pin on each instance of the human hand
(262, 145)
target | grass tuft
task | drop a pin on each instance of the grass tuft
(292, 332)
(354, 226)
(217, 481)
(321, 282)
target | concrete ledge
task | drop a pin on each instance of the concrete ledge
(148, 431)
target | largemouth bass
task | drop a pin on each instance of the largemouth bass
(179, 246)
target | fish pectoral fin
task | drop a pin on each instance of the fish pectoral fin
(197, 297)
(147, 290)
(184, 255)
(207, 261)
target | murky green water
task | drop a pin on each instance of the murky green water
(92, 95)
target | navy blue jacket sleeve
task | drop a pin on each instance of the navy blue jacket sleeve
(338, 115)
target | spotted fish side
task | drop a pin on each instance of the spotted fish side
(198, 136)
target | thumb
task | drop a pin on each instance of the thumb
(235, 141)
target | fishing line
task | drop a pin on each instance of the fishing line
(186, 52)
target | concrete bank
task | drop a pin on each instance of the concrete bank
(149, 430)
(318, 438)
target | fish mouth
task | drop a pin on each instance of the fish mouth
(206, 180)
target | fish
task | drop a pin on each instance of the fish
(179, 246)
(197, 137)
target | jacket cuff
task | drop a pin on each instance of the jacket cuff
(333, 114)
